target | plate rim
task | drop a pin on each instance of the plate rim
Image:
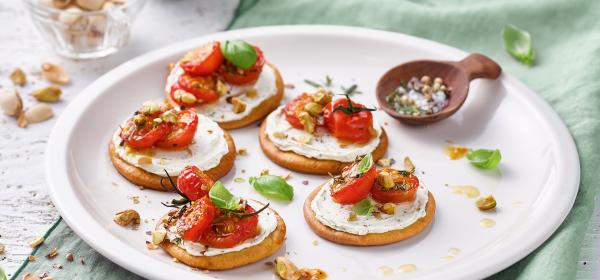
(57, 159)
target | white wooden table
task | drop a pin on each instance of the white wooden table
(26, 210)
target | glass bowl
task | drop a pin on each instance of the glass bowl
(80, 34)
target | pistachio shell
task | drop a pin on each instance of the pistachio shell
(55, 74)
(90, 5)
(47, 94)
(127, 217)
(18, 77)
(11, 102)
(38, 113)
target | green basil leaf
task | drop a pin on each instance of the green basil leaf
(240, 53)
(517, 42)
(222, 198)
(273, 187)
(484, 159)
(363, 207)
(365, 164)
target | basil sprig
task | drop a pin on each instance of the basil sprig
(484, 159)
(350, 109)
(273, 187)
(222, 198)
(363, 207)
(517, 42)
(365, 164)
(2, 274)
(239, 53)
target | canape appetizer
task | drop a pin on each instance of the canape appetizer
(160, 137)
(213, 229)
(364, 206)
(230, 82)
(318, 135)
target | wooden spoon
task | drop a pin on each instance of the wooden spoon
(456, 75)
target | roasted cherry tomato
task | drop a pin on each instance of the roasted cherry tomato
(203, 88)
(194, 183)
(351, 187)
(143, 136)
(182, 132)
(204, 60)
(404, 190)
(196, 220)
(294, 107)
(233, 75)
(231, 231)
(354, 127)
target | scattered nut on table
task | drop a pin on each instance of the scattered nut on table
(47, 94)
(127, 217)
(287, 270)
(36, 113)
(18, 77)
(55, 73)
(11, 102)
(486, 203)
(36, 242)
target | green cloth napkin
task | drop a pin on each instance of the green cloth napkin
(566, 37)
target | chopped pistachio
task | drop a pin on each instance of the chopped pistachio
(157, 120)
(285, 269)
(486, 203)
(139, 120)
(31, 258)
(158, 236)
(322, 96)
(385, 162)
(389, 208)
(264, 172)
(307, 121)
(385, 180)
(150, 107)
(151, 246)
(52, 254)
(239, 106)
(251, 92)
(279, 134)
(242, 152)
(313, 108)
(169, 116)
(2, 248)
(184, 97)
(222, 88)
(47, 94)
(18, 77)
(304, 139)
(352, 217)
(238, 180)
(36, 242)
(127, 217)
(408, 165)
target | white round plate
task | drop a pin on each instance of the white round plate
(535, 184)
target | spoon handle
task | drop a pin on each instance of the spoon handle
(479, 66)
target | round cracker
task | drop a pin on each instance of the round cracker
(300, 163)
(267, 247)
(149, 180)
(370, 239)
(259, 111)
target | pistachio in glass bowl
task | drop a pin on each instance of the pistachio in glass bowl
(83, 29)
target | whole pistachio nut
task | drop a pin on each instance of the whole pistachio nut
(55, 73)
(18, 77)
(90, 5)
(47, 94)
(127, 217)
(38, 113)
(10, 102)
(61, 4)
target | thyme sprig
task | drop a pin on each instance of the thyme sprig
(350, 109)
(353, 89)
(175, 203)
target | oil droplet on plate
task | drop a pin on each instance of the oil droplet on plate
(315, 242)
(517, 204)
(447, 258)
(385, 270)
(455, 152)
(406, 268)
(468, 190)
(453, 251)
(487, 222)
